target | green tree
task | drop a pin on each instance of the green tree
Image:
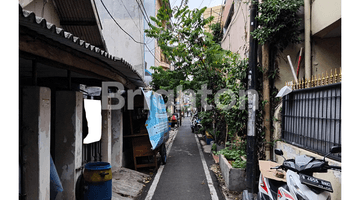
(199, 59)
(278, 23)
(217, 32)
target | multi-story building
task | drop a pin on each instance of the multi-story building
(215, 11)
(235, 23)
(67, 49)
(311, 114)
(160, 59)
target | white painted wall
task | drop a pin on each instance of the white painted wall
(236, 37)
(324, 13)
(120, 44)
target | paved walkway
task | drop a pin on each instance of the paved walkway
(186, 174)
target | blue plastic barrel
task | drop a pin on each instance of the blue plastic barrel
(97, 181)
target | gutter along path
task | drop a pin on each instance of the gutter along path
(186, 174)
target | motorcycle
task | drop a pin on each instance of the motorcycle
(300, 183)
(195, 123)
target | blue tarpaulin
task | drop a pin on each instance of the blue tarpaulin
(157, 122)
(55, 183)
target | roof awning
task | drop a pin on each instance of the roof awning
(48, 35)
(80, 17)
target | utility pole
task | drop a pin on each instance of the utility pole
(251, 156)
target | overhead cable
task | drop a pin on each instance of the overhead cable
(130, 15)
(146, 19)
(125, 31)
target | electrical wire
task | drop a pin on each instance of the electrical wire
(130, 15)
(151, 49)
(209, 3)
(149, 40)
(174, 2)
(125, 31)
(142, 4)
(146, 19)
(201, 4)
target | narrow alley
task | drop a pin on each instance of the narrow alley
(186, 174)
(101, 87)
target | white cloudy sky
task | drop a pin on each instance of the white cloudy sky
(197, 3)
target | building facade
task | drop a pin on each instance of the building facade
(319, 74)
(236, 27)
(63, 62)
(123, 29)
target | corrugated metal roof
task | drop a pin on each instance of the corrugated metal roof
(48, 30)
(80, 18)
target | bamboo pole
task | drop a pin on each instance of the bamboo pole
(266, 96)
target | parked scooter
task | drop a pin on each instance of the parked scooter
(195, 123)
(300, 183)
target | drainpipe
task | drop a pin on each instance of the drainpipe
(307, 16)
(251, 164)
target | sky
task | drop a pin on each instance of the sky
(197, 3)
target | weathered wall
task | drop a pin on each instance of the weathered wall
(45, 10)
(213, 11)
(333, 176)
(234, 177)
(324, 13)
(236, 37)
(157, 51)
(68, 140)
(106, 135)
(150, 42)
(117, 139)
(285, 74)
(325, 43)
(36, 105)
(129, 17)
(325, 56)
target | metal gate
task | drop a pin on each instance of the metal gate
(311, 118)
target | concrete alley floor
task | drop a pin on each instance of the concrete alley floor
(187, 173)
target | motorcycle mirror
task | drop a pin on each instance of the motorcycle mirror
(279, 152)
(335, 149)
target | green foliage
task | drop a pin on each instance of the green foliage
(239, 163)
(279, 24)
(233, 154)
(199, 59)
(230, 154)
(217, 32)
(213, 147)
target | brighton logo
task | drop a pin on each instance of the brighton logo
(114, 90)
